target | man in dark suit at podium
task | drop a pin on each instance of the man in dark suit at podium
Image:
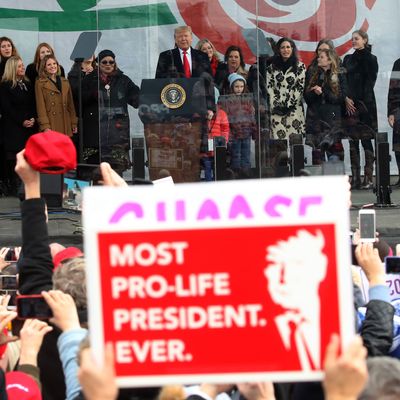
(183, 61)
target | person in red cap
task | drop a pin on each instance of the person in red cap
(54, 102)
(66, 255)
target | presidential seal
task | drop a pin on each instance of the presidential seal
(173, 95)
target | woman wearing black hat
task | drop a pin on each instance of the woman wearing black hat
(106, 94)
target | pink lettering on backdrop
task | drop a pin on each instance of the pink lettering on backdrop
(240, 206)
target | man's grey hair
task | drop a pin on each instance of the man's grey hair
(70, 278)
(383, 380)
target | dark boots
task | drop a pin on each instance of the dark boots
(355, 164)
(356, 178)
(368, 170)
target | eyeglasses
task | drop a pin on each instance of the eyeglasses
(108, 62)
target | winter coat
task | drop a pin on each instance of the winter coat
(218, 126)
(324, 112)
(241, 115)
(361, 73)
(17, 105)
(393, 104)
(285, 87)
(55, 109)
(113, 106)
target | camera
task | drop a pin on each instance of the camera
(392, 265)
(8, 282)
(10, 256)
(366, 219)
(33, 306)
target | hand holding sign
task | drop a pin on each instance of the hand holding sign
(98, 382)
(257, 390)
(345, 375)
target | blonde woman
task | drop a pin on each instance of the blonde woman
(54, 102)
(325, 96)
(207, 47)
(42, 50)
(17, 104)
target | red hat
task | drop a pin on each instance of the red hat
(20, 386)
(69, 252)
(50, 152)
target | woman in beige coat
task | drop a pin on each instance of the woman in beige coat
(54, 103)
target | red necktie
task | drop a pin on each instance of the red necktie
(186, 66)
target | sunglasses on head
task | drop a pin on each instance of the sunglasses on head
(108, 62)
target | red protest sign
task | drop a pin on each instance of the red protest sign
(193, 286)
(227, 301)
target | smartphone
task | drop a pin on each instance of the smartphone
(33, 306)
(8, 282)
(11, 302)
(392, 265)
(10, 256)
(367, 224)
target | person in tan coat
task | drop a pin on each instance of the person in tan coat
(54, 102)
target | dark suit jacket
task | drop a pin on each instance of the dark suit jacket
(170, 64)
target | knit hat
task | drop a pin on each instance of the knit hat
(50, 152)
(69, 252)
(106, 53)
(232, 78)
(21, 386)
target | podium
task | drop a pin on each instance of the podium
(173, 112)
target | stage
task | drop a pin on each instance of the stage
(65, 227)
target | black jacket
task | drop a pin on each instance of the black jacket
(170, 64)
(361, 74)
(35, 275)
(113, 107)
(324, 112)
(17, 105)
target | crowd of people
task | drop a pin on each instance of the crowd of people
(338, 96)
(51, 359)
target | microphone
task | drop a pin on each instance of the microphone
(173, 72)
(321, 77)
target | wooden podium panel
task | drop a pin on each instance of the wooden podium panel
(174, 149)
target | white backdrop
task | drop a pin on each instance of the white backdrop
(137, 49)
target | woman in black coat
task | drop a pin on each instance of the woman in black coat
(7, 49)
(324, 94)
(18, 122)
(362, 121)
(106, 94)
